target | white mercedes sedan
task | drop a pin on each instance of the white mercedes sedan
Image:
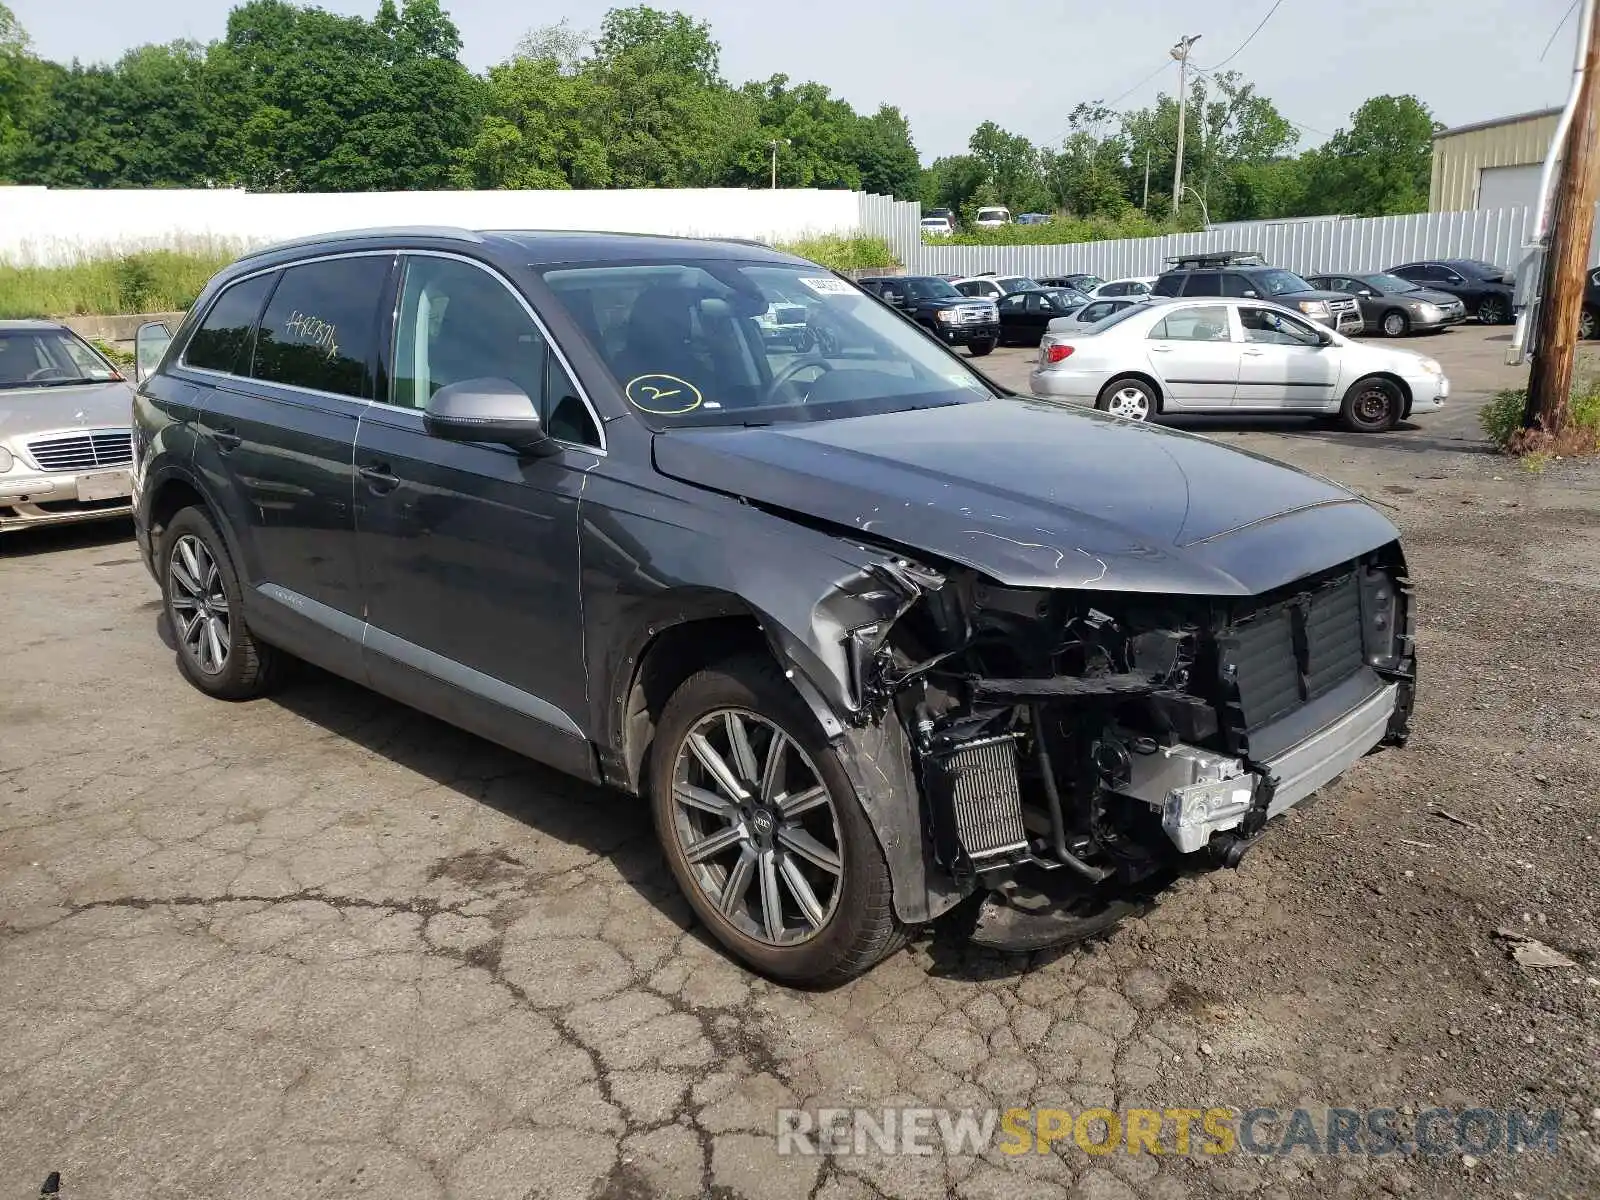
(1232, 356)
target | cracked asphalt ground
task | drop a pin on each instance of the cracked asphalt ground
(321, 945)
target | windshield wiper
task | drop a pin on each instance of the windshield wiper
(76, 382)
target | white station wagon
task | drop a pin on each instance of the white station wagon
(1223, 356)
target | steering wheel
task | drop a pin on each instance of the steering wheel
(788, 373)
(44, 373)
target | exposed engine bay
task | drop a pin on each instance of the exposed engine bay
(1074, 743)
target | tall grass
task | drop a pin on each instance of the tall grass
(169, 280)
(842, 253)
(1501, 419)
(144, 281)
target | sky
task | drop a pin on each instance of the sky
(951, 64)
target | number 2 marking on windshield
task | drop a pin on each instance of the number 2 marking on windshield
(663, 395)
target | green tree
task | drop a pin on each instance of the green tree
(24, 89)
(663, 100)
(541, 128)
(953, 182)
(1379, 165)
(1012, 164)
(885, 154)
(311, 101)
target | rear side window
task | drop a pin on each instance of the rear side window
(222, 343)
(1204, 283)
(319, 332)
(1167, 285)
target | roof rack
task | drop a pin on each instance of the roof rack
(1219, 258)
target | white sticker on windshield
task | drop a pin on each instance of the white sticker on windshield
(829, 287)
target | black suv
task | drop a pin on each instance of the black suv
(1488, 291)
(935, 304)
(871, 635)
(1242, 273)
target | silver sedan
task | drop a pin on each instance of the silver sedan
(1224, 356)
(65, 417)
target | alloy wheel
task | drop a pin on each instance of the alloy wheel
(1130, 402)
(1394, 325)
(1492, 311)
(757, 827)
(1586, 325)
(200, 615)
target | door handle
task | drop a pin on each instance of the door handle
(378, 478)
(1254, 353)
(1160, 349)
(226, 439)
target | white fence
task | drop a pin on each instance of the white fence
(1340, 244)
(48, 226)
(45, 226)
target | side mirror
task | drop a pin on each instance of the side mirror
(149, 348)
(1251, 294)
(487, 410)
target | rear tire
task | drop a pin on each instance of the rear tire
(1588, 325)
(981, 348)
(1371, 405)
(1131, 398)
(1395, 324)
(740, 860)
(204, 607)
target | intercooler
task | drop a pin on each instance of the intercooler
(976, 798)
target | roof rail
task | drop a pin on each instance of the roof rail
(382, 231)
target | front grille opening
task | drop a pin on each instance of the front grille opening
(1292, 652)
(83, 451)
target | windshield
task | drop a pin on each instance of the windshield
(686, 348)
(33, 358)
(1277, 283)
(1388, 283)
(994, 214)
(928, 288)
(1017, 283)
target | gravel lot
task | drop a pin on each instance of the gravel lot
(322, 945)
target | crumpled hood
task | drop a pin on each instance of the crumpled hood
(26, 412)
(1034, 494)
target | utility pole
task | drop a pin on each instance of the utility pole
(1566, 261)
(774, 144)
(1181, 53)
(1146, 204)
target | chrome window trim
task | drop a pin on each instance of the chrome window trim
(544, 331)
(396, 252)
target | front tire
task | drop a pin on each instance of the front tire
(1588, 325)
(980, 348)
(1371, 406)
(205, 611)
(1493, 310)
(1130, 398)
(1394, 324)
(763, 830)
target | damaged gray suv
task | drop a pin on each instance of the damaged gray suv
(878, 641)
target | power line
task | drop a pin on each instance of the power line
(1559, 25)
(1113, 103)
(1278, 4)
